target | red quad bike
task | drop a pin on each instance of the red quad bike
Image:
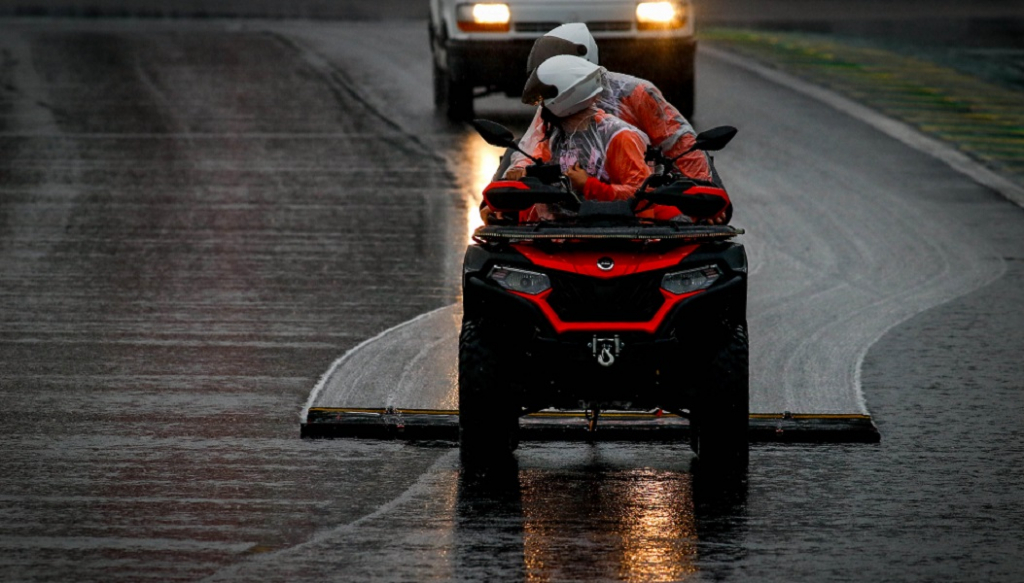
(601, 310)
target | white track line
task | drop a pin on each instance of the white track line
(337, 363)
(903, 132)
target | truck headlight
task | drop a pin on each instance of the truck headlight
(691, 280)
(660, 15)
(490, 17)
(520, 280)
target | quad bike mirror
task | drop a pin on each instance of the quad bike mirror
(499, 136)
(714, 139)
(494, 133)
(711, 140)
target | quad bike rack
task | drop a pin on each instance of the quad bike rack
(443, 425)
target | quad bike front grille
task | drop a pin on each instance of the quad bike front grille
(633, 298)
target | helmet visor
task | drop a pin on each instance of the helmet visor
(549, 46)
(536, 91)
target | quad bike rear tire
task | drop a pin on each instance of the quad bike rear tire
(488, 411)
(719, 418)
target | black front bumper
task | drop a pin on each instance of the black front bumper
(648, 370)
(495, 65)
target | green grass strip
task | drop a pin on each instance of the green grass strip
(977, 117)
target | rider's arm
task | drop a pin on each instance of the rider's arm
(668, 129)
(625, 166)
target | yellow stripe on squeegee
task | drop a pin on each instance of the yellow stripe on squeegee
(603, 415)
(626, 415)
(808, 416)
(380, 411)
(610, 415)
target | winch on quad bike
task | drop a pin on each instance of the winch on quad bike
(596, 308)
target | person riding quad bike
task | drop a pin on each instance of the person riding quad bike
(603, 157)
(635, 101)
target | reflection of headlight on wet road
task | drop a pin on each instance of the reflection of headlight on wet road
(482, 160)
(659, 535)
(626, 525)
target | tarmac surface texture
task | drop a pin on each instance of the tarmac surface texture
(197, 219)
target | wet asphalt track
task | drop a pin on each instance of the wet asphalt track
(196, 220)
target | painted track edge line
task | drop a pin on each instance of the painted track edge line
(351, 351)
(892, 127)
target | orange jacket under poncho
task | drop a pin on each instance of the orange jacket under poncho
(640, 104)
(612, 153)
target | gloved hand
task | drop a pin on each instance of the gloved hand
(578, 176)
(515, 173)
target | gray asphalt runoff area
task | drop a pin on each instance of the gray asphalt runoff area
(200, 217)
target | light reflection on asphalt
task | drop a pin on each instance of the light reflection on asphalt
(597, 513)
(482, 160)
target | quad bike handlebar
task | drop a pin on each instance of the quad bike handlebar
(519, 195)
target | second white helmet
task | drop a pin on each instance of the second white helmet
(573, 38)
(564, 84)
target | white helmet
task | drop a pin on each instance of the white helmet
(569, 39)
(564, 84)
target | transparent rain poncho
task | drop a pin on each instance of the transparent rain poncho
(608, 149)
(641, 104)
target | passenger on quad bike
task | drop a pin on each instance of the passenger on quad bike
(602, 156)
(636, 101)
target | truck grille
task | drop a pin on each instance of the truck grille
(610, 26)
(604, 26)
(537, 27)
(634, 298)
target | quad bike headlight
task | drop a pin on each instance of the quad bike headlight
(520, 280)
(691, 280)
(483, 17)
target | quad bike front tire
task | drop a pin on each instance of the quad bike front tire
(719, 418)
(488, 410)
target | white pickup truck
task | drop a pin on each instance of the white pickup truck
(481, 47)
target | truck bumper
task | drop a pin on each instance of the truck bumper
(501, 65)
